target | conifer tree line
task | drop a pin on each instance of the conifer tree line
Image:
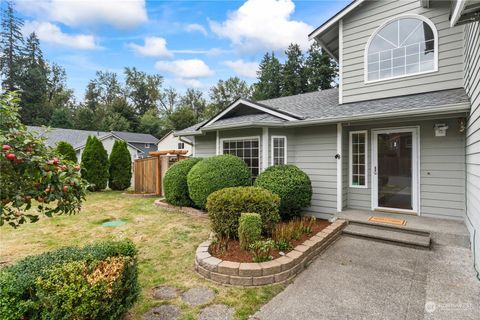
(140, 103)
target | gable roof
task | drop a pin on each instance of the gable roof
(78, 138)
(323, 107)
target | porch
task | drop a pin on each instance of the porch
(446, 232)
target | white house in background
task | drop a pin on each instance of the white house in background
(138, 144)
(170, 142)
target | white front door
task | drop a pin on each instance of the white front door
(395, 166)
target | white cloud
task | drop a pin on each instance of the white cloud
(263, 24)
(121, 14)
(153, 47)
(242, 68)
(52, 33)
(195, 27)
(190, 83)
(185, 69)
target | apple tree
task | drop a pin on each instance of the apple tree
(33, 180)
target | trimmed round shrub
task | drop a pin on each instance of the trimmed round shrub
(66, 151)
(175, 182)
(98, 281)
(249, 229)
(120, 170)
(291, 184)
(216, 173)
(225, 206)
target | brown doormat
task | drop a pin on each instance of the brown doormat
(398, 222)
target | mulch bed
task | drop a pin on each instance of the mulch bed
(236, 254)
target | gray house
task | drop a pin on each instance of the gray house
(400, 134)
(138, 144)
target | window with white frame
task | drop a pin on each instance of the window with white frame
(181, 145)
(358, 159)
(279, 150)
(248, 149)
(402, 47)
(147, 145)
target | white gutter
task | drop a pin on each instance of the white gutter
(457, 12)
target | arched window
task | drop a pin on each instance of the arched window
(401, 47)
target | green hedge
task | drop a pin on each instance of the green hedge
(215, 173)
(175, 182)
(66, 151)
(249, 229)
(225, 206)
(120, 170)
(98, 281)
(95, 164)
(291, 184)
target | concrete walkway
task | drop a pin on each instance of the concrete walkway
(364, 279)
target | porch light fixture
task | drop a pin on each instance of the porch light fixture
(462, 125)
(440, 129)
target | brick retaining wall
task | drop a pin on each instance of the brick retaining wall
(276, 271)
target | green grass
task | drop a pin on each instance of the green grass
(166, 241)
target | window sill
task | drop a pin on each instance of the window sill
(399, 77)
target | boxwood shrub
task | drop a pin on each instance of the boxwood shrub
(225, 206)
(249, 229)
(291, 184)
(98, 281)
(175, 182)
(215, 173)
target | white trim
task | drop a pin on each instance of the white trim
(340, 62)
(339, 168)
(350, 159)
(285, 149)
(264, 150)
(336, 18)
(457, 12)
(251, 105)
(194, 143)
(435, 53)
(218, 141)
(415, 130)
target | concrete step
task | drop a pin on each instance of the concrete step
(397, 235)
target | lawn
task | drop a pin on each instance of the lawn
(166, 241)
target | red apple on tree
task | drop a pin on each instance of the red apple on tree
(65, 188)
(6, 147)
(55, 161)
(11, 157)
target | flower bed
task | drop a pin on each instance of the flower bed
(278, 270)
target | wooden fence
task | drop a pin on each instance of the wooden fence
(147, 175)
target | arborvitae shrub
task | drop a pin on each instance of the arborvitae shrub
(120, 172)
(95, 164)
(66, 151)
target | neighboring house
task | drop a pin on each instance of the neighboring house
(138, 144)
(171, 142)
(401, 133)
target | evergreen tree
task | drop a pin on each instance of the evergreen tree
(85, 119)
(226, 92)
(152, 124)
(33, 82)
(61, 118)
(11, 44)
(120, 172)
(95, 164)
(181, 118)
(269, 83)
(66, 150)
(320, 69)
(293, 74)
(115, 122)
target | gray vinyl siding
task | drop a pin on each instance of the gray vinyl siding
(472, 87)
(442, 170)
(362, 23)
(314, 151)
(206, 146)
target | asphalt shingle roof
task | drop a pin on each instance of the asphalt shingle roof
(78, 138)
(324, 105)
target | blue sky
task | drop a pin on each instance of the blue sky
(190, 43)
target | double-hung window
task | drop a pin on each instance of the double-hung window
(358, 159)
(279, 150)
(248, 149)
